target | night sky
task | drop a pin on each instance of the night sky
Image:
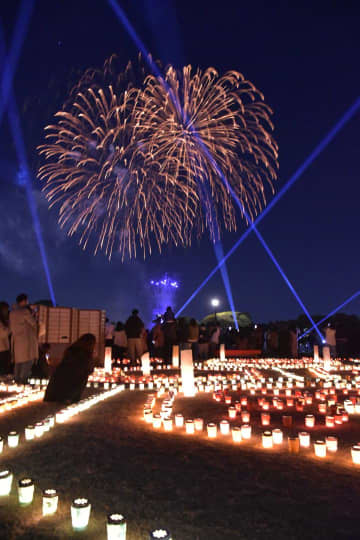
(304, 60)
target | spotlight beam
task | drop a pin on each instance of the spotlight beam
(297, 174)
(9, 66)
(120, 13)
(347, 301)
(15, 128)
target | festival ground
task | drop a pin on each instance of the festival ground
(198, 488)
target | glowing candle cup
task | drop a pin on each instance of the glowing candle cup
(49, 502)
(116, 527)
(26, 491)
(6, 479)
(80, 513)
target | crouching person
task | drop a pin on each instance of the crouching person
(69, 379)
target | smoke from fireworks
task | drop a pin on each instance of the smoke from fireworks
(126, 165)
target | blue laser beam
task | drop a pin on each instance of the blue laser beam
(297, 174)
(219, 252)
(347, 301)
(21, 26)
(24, 172)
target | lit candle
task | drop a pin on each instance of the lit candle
(228, 400)
(232, 412)
(331, 444)
(224, 427)
(116, 527)
(168, 424)
(277, 436)
(310, 420)
(245, 417)
(304, 439)
(148, 416)
(6, 479)
(50, 502)
(160, 534)
(329, 421)
(355, 454)
(199, 424)
(236, 434)
(267, 439)
(246, 431)
(189, 427)
(211, 430)
(179, 420)
(29, 433)
(39, 429)
(157, 421)
(13, 439)
(26, 491)
(265, 419)
(80, 513)
(320, 449)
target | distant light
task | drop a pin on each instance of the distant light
(215, 302)
(255, 326)
(324, 340)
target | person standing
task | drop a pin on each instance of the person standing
(214, 340)
(24, 331)
(330, 338)
(293, 342)
(158, 340)
(133, 329)
(120, 342)
(5, 357)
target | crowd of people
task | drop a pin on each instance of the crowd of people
(132, 339)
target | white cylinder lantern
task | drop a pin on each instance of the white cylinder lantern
(236, 434)
(116, 527)
(50, 502)
(80, 513)
(6, 479)
(187, 373)
(26, 490)
(267, 439)
(168, 424)
(145, 364)
(232, 412)
(108, 360)
(211, 430)
(320, 449)
(13, 439)
(304, 439)
(175, 356)
(277, 435)
(160, 534)
(246, 431)
(331, 444)
(39, 429)
(310, 420)
(199, 424)
(189, 426)
(179, 420)
(29, 433)
(224, 427)
(355, 454)
(157, 421)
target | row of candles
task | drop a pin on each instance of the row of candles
(80, 508)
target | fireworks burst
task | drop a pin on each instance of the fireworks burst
(198, 123)
(132, 160)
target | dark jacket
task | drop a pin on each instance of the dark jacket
(133, 327)
(70, 377)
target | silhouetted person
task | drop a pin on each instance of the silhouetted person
(5, 357)
(169, 315)
(24, 330)
(193, 338)
(133, 329)
(70, 377)
(158, 340)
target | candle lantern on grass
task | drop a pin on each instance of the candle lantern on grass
(236, 434)
(245, 417)
(168, 424)
(304, 439)
(211, 430)
(331, 444)
(49, 502)
(13, 439)
(246, 431)
(157, 421)
(355, 454)
(199, 424)
(179, 420)
(80, 513)
(116, 527)
(39, 429)
(277, 436)
(310, 420)
(6, 478)
(26, 490)
(189, 427)
(267, 439)
(265, 419)
(232, 412)
(224, 427)
(320, 448)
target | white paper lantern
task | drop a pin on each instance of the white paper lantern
(50, 502)
(355, 454)
(267, 439)
(310, 420)
(1, 445)
(168, 424)
(29, 433)
(320, 448)
(211, 430)
(26, 490)
(304, 439)
(189, 427)
(160, 534)
(6, 478)
(246, 431)
(179, 420)
(224, 427)
(199, 424)
(116, 527)
(331, 444)
(39, 429)
(80, 513)
(157, 421)
(13, 439)
(277, 435)
(236, 434)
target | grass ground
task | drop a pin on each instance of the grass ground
(199, 489)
